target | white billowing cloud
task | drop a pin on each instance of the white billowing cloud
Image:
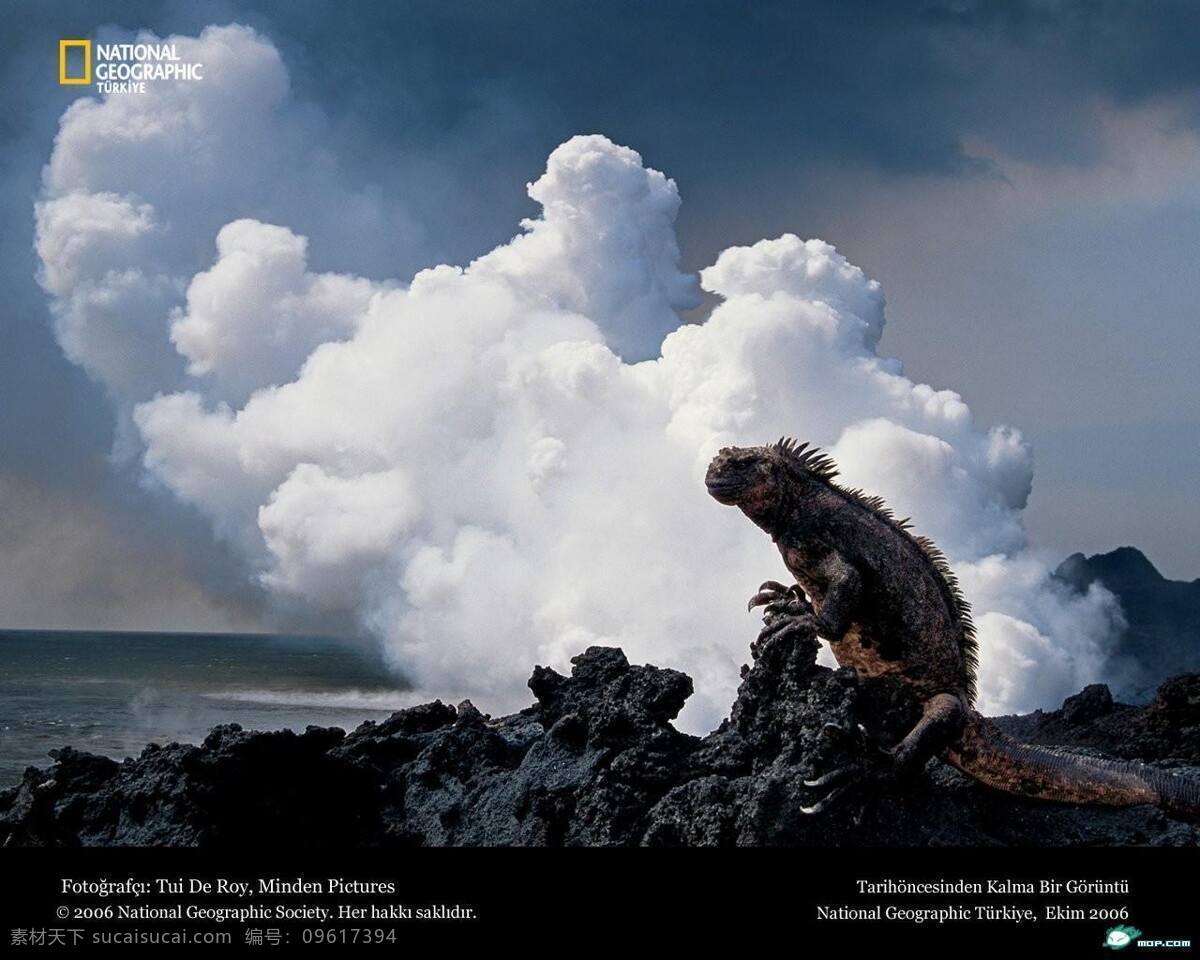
(602, 208)
(135, 190)
(100, 265)
(476, 466)
(1037, 638)
(329, 533)
(257, 314)
(82, 237)
(813, 271)
(128, 143)
(982, 480)
(478, 473)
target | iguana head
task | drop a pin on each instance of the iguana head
(742, 476)
(758, 479)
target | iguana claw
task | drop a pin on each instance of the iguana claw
(768, 592)
(855, 736)
(875, 767)
(785, 609)
(836, 775)
(825, 802)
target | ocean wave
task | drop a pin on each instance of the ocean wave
(384, 701)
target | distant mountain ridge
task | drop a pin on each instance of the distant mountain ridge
(1163, 636)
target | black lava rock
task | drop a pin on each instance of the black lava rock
(596, 761)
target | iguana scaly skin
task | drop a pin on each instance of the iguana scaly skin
(887, 603)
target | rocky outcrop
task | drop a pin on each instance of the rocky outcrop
(596, 761)
(1161, 637)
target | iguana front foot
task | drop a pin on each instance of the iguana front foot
(777, 599)
(873, 771)
(786, 610)
(846, 737)
(864, 778)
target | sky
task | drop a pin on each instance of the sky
(1019, 179)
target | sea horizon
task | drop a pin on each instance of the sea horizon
(113, 692)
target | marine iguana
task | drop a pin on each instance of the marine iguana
(887, 602)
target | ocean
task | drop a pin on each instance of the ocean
(112, 693)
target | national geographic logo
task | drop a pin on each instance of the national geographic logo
(64, 52)
(122, 67)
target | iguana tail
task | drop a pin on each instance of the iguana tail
(992, 757)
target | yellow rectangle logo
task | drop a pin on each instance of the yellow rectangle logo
(63, 47)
